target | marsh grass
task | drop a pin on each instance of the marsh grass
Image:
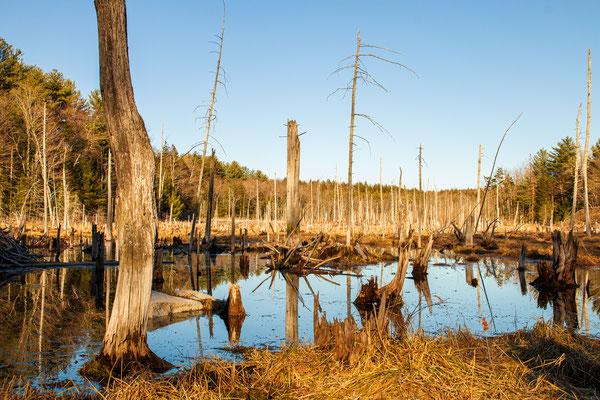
(545, 362)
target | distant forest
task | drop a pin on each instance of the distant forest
(54, 149)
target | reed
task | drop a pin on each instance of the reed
(544, 362)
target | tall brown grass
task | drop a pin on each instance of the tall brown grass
(543, 363)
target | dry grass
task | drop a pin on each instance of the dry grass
(545, 362)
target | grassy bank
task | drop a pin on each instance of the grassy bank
(545, 362)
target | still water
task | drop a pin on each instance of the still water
(50, 323)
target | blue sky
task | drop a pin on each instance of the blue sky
(480, 64)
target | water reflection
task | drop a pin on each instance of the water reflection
(50, 323)
(291, 307)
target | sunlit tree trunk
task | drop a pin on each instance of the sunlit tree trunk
(351, 148)
(125, 337)
(588, 228)
(292, 180)
(576, 172)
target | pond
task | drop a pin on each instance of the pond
(51, 325)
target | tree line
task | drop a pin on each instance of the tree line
(54, 148)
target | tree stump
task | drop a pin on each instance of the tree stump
(234, 304)
(421, 261)
(561, 274)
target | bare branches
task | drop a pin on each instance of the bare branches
(361, 74)
(380, 48)
(487, 186)
(389, 61)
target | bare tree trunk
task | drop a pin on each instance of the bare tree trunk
(588, 228)
(293, 174)
(125, 337)
(419, 217)
(311, 202)
(350, 148)
(160, 174)
(65, 191)
(576, 172)
(399, 214)
(208, 123)
(257, 206)
(209, 202)
(381, 196)
(109, 207)
(479, 179)
(275, 200)
(498, 201)
(45, 175)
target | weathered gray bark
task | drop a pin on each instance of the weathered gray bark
(211, 181)
(65, 192)
(293, 175)
(419, 212)
(588, 227)
(351, 147)
(479, 179)
(576, 172)
(109, 207)
(125, 337)
(160, 173)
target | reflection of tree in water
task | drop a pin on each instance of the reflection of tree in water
(291, 307)
(422, 286)
(47, 322)
(564, 306)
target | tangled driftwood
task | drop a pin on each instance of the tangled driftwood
(319, 251)
(13, 254)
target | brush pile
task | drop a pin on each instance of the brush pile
(13, 254)
(322, 250)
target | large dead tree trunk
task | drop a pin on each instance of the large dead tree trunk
(293, 175)
(109, 207)
(588, 227)
(125, 338)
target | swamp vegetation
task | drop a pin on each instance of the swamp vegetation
(247, 254)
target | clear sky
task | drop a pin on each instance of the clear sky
(480, 64)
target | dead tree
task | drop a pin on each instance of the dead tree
(479, 177)
(576, 172)
(559, 275)
(109, 204)
(489, 181)
(209, 120)
(421, 261)
(293, 174)
(588, 228)
(125, 338)
(363, 51)
(209, 203)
